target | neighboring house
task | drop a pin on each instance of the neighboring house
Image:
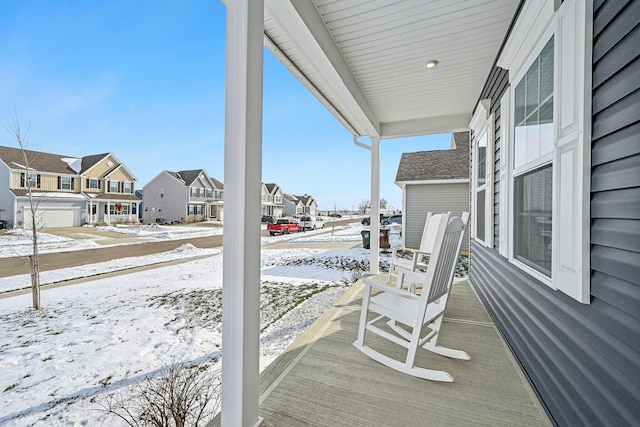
(272, 200)
(69, 191)
(110, 187)
(433, 181)
(184, 196)
(309, 203)
(294, 205)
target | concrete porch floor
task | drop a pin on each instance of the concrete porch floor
(323, 380)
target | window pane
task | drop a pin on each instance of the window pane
(482, 160)
(480, 215)
(533, 219)
(546, 71)
(533, 99)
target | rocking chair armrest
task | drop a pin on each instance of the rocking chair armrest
(386, 288)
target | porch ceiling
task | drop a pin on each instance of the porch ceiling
(365, 59)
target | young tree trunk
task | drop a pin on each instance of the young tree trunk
(35, 282)
(34, 258)
(23, 142)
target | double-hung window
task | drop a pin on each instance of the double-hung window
(114, 186)
(65, 183)
(32, 180)
(532, 164)
(482, 179)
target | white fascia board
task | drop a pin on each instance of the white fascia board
(304, 27)
(533, 18)
(425, 126)
(436, 181)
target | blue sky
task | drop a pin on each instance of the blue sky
(145, 81)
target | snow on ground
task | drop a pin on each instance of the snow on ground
(17, 242)
(53, 276)
(103, 336)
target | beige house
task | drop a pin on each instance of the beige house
(69, 191)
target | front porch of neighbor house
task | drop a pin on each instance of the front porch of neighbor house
(323, 380)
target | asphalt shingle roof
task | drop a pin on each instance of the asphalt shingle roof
(42, 162)
(436, 164)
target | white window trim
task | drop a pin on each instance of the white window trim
(483, 121)
(62, 184)
(505, 175)
(571, 26)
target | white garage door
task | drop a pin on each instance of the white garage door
(47, 218)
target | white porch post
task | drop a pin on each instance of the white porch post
(374, 255)
(242, 180)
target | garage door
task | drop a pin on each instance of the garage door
(54, 218)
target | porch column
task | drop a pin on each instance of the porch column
(242, 180)
(374, 255)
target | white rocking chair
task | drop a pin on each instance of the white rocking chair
(420, 256)
(401, 306)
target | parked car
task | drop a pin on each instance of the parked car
(367, 220)
(311, 222)
(267, 219)
(397, 219)
(284, 226)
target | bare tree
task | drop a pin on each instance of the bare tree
(383, 204)
(183, 395)
(363, 206)
(22, 138)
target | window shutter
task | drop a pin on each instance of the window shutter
(59, 182)
(72, 179)
(99, 183)
(88, 183)
(22, 180)
(38, 181)
(571, 224)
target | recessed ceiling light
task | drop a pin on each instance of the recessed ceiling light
(431, 64)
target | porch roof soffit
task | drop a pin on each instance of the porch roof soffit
(365, 61)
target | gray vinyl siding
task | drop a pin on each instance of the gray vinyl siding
(435, 198)
(584, 359)
(495, 86)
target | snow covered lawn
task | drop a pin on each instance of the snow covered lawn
(103, 336)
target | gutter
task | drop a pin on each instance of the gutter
(360, 144)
